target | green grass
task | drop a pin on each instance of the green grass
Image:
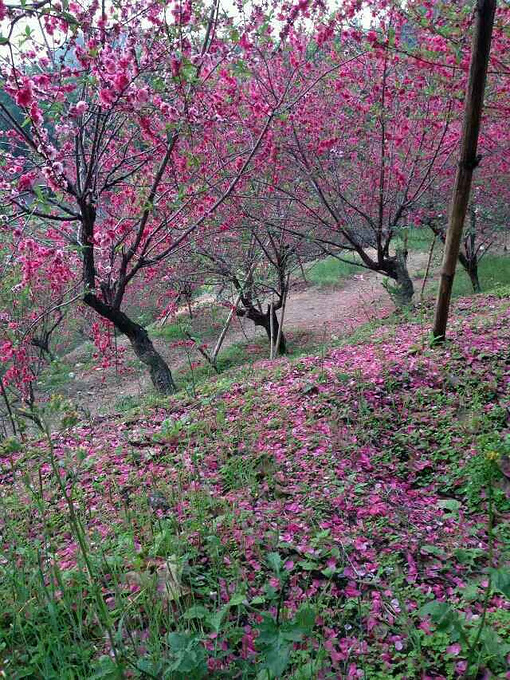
(330, 271)
(418, 240)
(239, 358)
(156, 582)
(493, 272)
(171, 331)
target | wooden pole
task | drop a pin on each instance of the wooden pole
(480, 50)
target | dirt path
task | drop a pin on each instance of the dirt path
(322, 312)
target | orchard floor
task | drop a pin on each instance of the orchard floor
(344, 515)
(313, 315)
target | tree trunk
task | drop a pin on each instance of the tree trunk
(396, 268)
(161, 375)
(282, 346)
(405, 284)
(468, 161)
(470, 265)
(42, 343)
(264, 319)
(473, 277)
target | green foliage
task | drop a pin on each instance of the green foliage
(276, 640)
(483, 470)
(276, 635)
(126, 403)
(189, 659)
(493, 272)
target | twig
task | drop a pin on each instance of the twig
(202, 351)
(223, 333)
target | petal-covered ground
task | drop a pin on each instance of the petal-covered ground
(340, 516)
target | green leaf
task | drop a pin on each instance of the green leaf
(471, 592)
(450, 504)
(215, 620)
(196, 612)
(189, 657)
(277, 657)
(307, 565)
(444, 617)
(274, 647)
(432, 550)
(275, 562)
(468, 555)
(305, 619)
(501, 580)
(493, 643)
(306, 672)
(237, 599)
(106, 669)
(178, 641)
(439, 612)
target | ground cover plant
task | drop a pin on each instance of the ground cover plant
(343, 515)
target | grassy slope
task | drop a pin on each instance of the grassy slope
(294, 519)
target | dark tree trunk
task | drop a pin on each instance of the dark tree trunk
(473, 277)
(470, 266)
(396, 268)
(264, 319)
(282, 347)
(161, 375)
(405, 283)
(42, 343)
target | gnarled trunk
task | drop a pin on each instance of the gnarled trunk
(470, 266)
(405, 284)
(42, 342)
(264, 319)
(396, 268)
(160, 373)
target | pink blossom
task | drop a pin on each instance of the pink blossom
(454, 649)
(80, 108)
(24, 96)
(26, 182)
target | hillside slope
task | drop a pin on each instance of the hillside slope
(339, 516)
(314, 311)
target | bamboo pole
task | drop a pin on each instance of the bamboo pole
(480, 50)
